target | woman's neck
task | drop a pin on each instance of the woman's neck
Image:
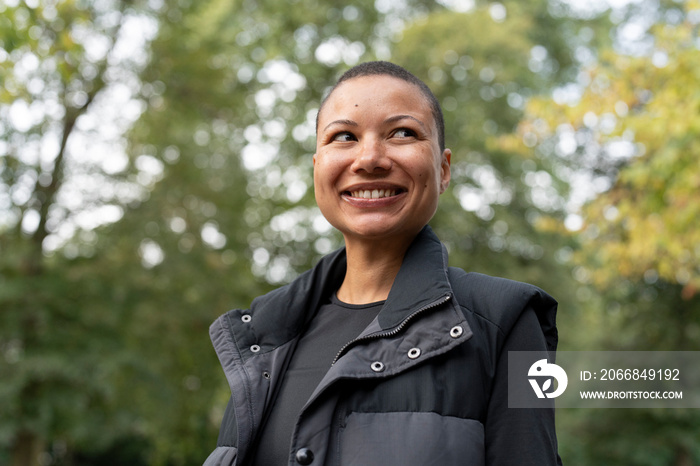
(371, 270)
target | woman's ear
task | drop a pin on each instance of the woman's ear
(445, 170)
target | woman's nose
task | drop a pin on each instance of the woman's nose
(371, 157)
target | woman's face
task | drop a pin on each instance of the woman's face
(378, 168)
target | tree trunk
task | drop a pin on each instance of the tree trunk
(27, 449)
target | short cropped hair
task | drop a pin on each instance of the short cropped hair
(378, 68)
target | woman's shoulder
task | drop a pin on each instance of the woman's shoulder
(502, 301)
(473, 284)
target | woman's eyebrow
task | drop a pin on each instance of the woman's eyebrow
(396, 118)
(340, 122)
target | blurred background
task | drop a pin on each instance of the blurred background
(155, 171)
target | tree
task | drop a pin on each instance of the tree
(627, 136)
(115, 259)
(59, 61)
(637, 117)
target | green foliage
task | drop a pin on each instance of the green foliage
(114, 263)
(633, 132)
(104, 327)
(639, 115)
(625, 436)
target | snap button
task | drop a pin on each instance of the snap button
(255, 348)
(456, 331)
(304, 456)
(246, 318)
(377, 366)
(413, 353)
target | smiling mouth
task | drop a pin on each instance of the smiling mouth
(374, 193)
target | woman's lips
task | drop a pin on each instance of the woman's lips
(373, 197)
(373, 193)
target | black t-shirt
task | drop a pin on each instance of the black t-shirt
(335, 324)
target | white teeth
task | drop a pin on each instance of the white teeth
(373, 194)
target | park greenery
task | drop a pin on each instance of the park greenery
(155, 171)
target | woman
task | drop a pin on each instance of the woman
(382, 354)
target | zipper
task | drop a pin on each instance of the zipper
(393, 332)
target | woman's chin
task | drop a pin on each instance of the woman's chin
(380, 231)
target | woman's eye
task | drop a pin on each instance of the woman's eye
(404, 133)
(343, 137)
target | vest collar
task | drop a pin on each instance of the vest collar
(422, 279)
